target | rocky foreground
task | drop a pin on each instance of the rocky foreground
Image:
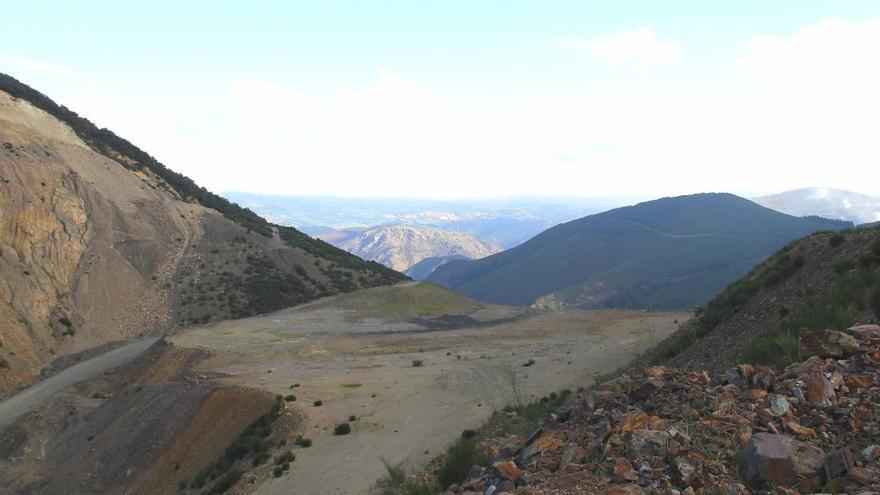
(812, 427)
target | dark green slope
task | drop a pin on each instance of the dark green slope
(663, 254)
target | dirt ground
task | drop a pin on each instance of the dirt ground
(364, 366)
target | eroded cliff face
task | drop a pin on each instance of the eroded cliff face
(100, 242)
(88, 247)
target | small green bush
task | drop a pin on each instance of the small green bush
(342, 429)
(396, 480)
(226, 482)
(779, 348)
(836, 240)
(285, 458)
(352, 418)
(317, 403)
(290, 398)
(303, 442)
(459, 457)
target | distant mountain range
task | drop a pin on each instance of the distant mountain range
(402, 246)
(663, 254)
(825, 202)
(505, 222)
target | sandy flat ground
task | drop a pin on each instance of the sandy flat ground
(364, 367)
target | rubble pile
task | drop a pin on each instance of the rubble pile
(812, 427)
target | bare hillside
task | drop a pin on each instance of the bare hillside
(402, 246)
(99, 242)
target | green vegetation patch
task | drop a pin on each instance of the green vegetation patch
(253, 441)
(402, 302)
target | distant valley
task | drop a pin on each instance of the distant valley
(505, 222)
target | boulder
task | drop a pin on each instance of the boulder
(774, 459)
(647, 389)
(865, 331)
(827, 343)
(686, 470)
(820, 391)
(508, 469)
(838, 463)
(624, 469)
(779, 405)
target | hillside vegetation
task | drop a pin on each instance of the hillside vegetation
(670, 253)
(825, 281)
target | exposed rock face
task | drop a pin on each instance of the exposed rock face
(402, 246)
(97, 245)
(87, 246)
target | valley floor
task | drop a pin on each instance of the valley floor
(413, 384)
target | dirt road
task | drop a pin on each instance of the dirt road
(33, 397)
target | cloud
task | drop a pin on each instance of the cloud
(637, 45)
(393, 136)
(42, 66)
(832, 53)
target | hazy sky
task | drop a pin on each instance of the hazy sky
(450, 99)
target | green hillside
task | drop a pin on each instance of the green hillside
(827, 281)
(669, 253)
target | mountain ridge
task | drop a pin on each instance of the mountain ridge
(613, 258)
(826, 202)
(400, 247)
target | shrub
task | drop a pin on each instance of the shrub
(226, 482)
(352, 418)
(302, 442)
(468, 434)
(460, 456)
(342, 429)
(836, 240)
(317, 403)
(285, 458)
(289, 398)
(779, 348)
(396, 480)
(875, 302)
(277, 472)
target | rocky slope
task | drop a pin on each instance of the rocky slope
(809, 428)
(825, 202)
(402, 246)
(670, 253)
(99, 242)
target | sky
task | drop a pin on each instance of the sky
(463, 99)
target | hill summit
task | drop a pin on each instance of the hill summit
(665, 254)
